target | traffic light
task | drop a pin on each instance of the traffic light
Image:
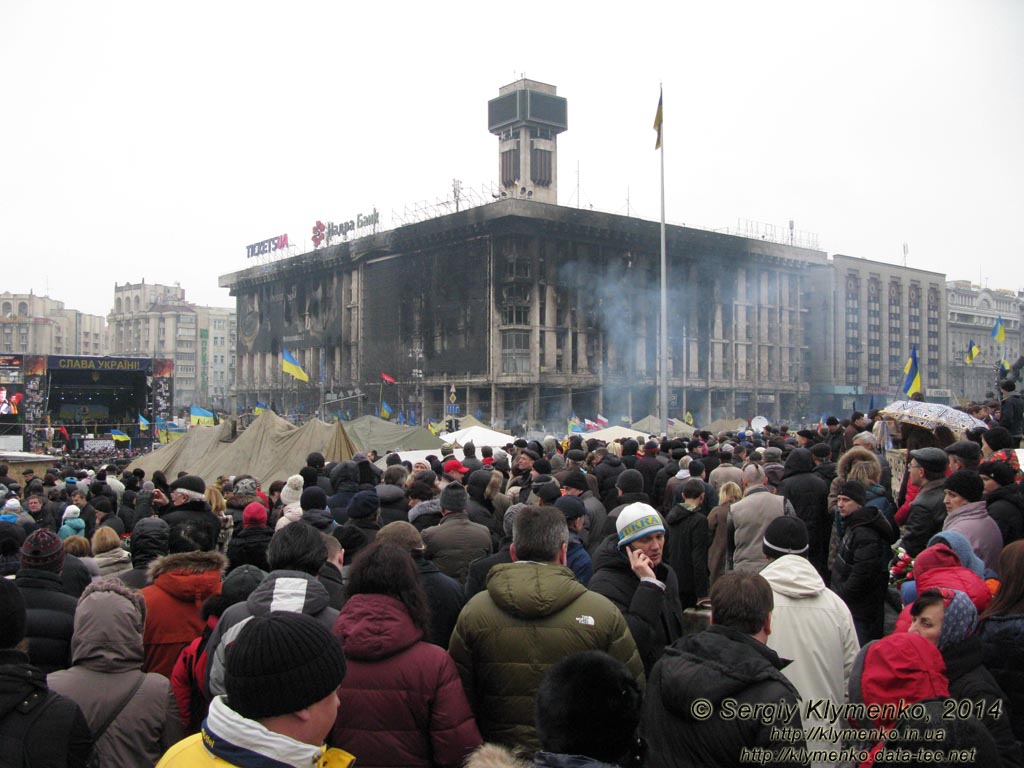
(449, 425)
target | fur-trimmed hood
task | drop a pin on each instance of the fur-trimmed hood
(854, 456)
(494, 756)
(188, 563)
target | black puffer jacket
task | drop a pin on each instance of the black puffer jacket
(1002, 644)
(1006, 506)
(199, 514)
(607, 472)
(394, 506)
(970, 680)
(860, 574)
(345, 480)
(808, 493)
(150, 540)
(249, 547)
(686, 552)
(445, 598)
(717, 664)
(654, 616)
(49, 618)
(58, 737)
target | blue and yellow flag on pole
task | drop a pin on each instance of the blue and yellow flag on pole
(657, 121)
(998, 331)
(385, 410)
(912, 378)
(143, 423)
(1004, 367)
(973, 350)
(291, 366)
(118, 435)
(200, 416)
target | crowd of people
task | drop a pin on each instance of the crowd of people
(773, 598)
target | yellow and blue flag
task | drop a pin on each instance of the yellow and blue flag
(998, 331)
(260, 408)
(973, 350)
(385, 410)
(912, 378)
(118, 435)
(199, 415)
(1004, 367)
(657, 121)
(291, 366)
(143, 423)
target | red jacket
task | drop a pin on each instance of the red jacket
(189, 681)
(402, 702)
(181, 582)
(939, 567)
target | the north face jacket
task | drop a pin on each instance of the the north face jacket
(531, 616)
(281, 591)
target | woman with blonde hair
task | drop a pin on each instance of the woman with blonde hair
(219, 506)
(111, 557)
(718, 529)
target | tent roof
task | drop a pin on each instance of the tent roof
(479, 436)
(652, 426)
(271, 448)
(610, 434)
(726, 425)
(371, 433)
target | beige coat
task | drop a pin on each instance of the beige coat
(107, 657)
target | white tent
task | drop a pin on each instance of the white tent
(610, 434)
(478, 436)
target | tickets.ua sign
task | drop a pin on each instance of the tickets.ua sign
(266, 246)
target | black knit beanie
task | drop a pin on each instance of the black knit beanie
(966, 484)
(281, 663)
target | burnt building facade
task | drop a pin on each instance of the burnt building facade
(524, 313)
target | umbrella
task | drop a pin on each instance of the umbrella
(929, 415)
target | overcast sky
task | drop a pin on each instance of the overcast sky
(156, 141)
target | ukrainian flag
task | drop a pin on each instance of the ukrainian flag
(260, 408)
(973, 350)
(199, 415)
(118, 435)
(998, 331)
(385, 410)
(291, 366)
(143, 423)
(912, 378)
(1004, 367)
(657, 122)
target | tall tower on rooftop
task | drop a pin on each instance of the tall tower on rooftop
(527, 117)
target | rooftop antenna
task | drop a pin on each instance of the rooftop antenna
(906, 250)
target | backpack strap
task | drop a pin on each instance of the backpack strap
(97, 734)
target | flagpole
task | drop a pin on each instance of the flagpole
(664, 288)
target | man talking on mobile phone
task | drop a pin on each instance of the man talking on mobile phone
(629, 571)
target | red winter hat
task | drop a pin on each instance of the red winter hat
(936, 556)
(254, 514)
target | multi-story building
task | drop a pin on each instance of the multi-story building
(39, 325)
(521, 311)
(152, 320)
(973, 312)
(878, 313)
